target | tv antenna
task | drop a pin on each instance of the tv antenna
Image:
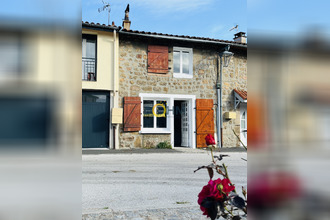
(233, 28)
(106, 6)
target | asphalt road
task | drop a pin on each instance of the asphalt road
(128, 182)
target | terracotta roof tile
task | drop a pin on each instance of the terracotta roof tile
(183, 36)
(241, 93)
(98, 25)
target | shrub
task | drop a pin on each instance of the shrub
(164, 145)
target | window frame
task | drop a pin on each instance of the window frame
(154, 129)
(14, 53)
(94, 38)
(181, 74)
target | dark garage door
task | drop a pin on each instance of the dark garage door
(95, 119)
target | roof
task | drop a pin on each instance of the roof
(93, 25)
(182, 37)
(241, 93)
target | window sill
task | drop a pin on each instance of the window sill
(154, 131)
(159, 74)
(182, 75)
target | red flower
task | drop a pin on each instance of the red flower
(206, 191)
(209, 140)
(272, 189)
(215, 189)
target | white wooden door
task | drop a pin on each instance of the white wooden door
(184, 124)
(243, 130)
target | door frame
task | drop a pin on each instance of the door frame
(192, 115)
(243, 106)
(110, 136)
(182, 122)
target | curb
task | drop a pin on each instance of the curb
(191, 213)
(158, 151)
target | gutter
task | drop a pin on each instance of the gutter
(100, 27)
(183, 39)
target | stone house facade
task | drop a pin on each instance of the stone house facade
(167, 89)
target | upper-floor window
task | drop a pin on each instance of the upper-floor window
(89, 57)
(182, 62)
(13, 52)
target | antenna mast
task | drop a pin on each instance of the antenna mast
(236, 27)
(106, 6)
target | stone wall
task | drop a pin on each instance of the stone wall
(135, 79)
(136, 140)
(234, 77)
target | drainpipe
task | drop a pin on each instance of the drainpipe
(224, 56)
(115, 92)
(219, 104)
(219, 92)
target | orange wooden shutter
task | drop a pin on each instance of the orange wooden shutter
(132, 113)
(157, 59)
(204, 120)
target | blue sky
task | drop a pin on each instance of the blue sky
(285, 17)
(203, 18)
(65, 11)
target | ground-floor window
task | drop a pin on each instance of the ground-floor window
(169, 114)
(155, 114)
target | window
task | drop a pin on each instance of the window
(13, 52)
(89, 57)
(155, 116)
(182, 62)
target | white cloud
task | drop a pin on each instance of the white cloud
(216, 29)
(157, 7)
(166, 6)
(92, 2)
(221, 32)
(255, 5)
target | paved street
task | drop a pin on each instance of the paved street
(159, 183)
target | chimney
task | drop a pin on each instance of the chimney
(126, 21)
(240, 37)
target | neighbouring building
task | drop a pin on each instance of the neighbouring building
(100, 46)
(38, 88)
(167, 89)
(290, 90)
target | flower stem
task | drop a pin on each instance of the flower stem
(239, 139)
(227, 176)
(211, 148)
(230, 212)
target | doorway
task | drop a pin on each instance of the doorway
(181, 123)
(95, 119)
